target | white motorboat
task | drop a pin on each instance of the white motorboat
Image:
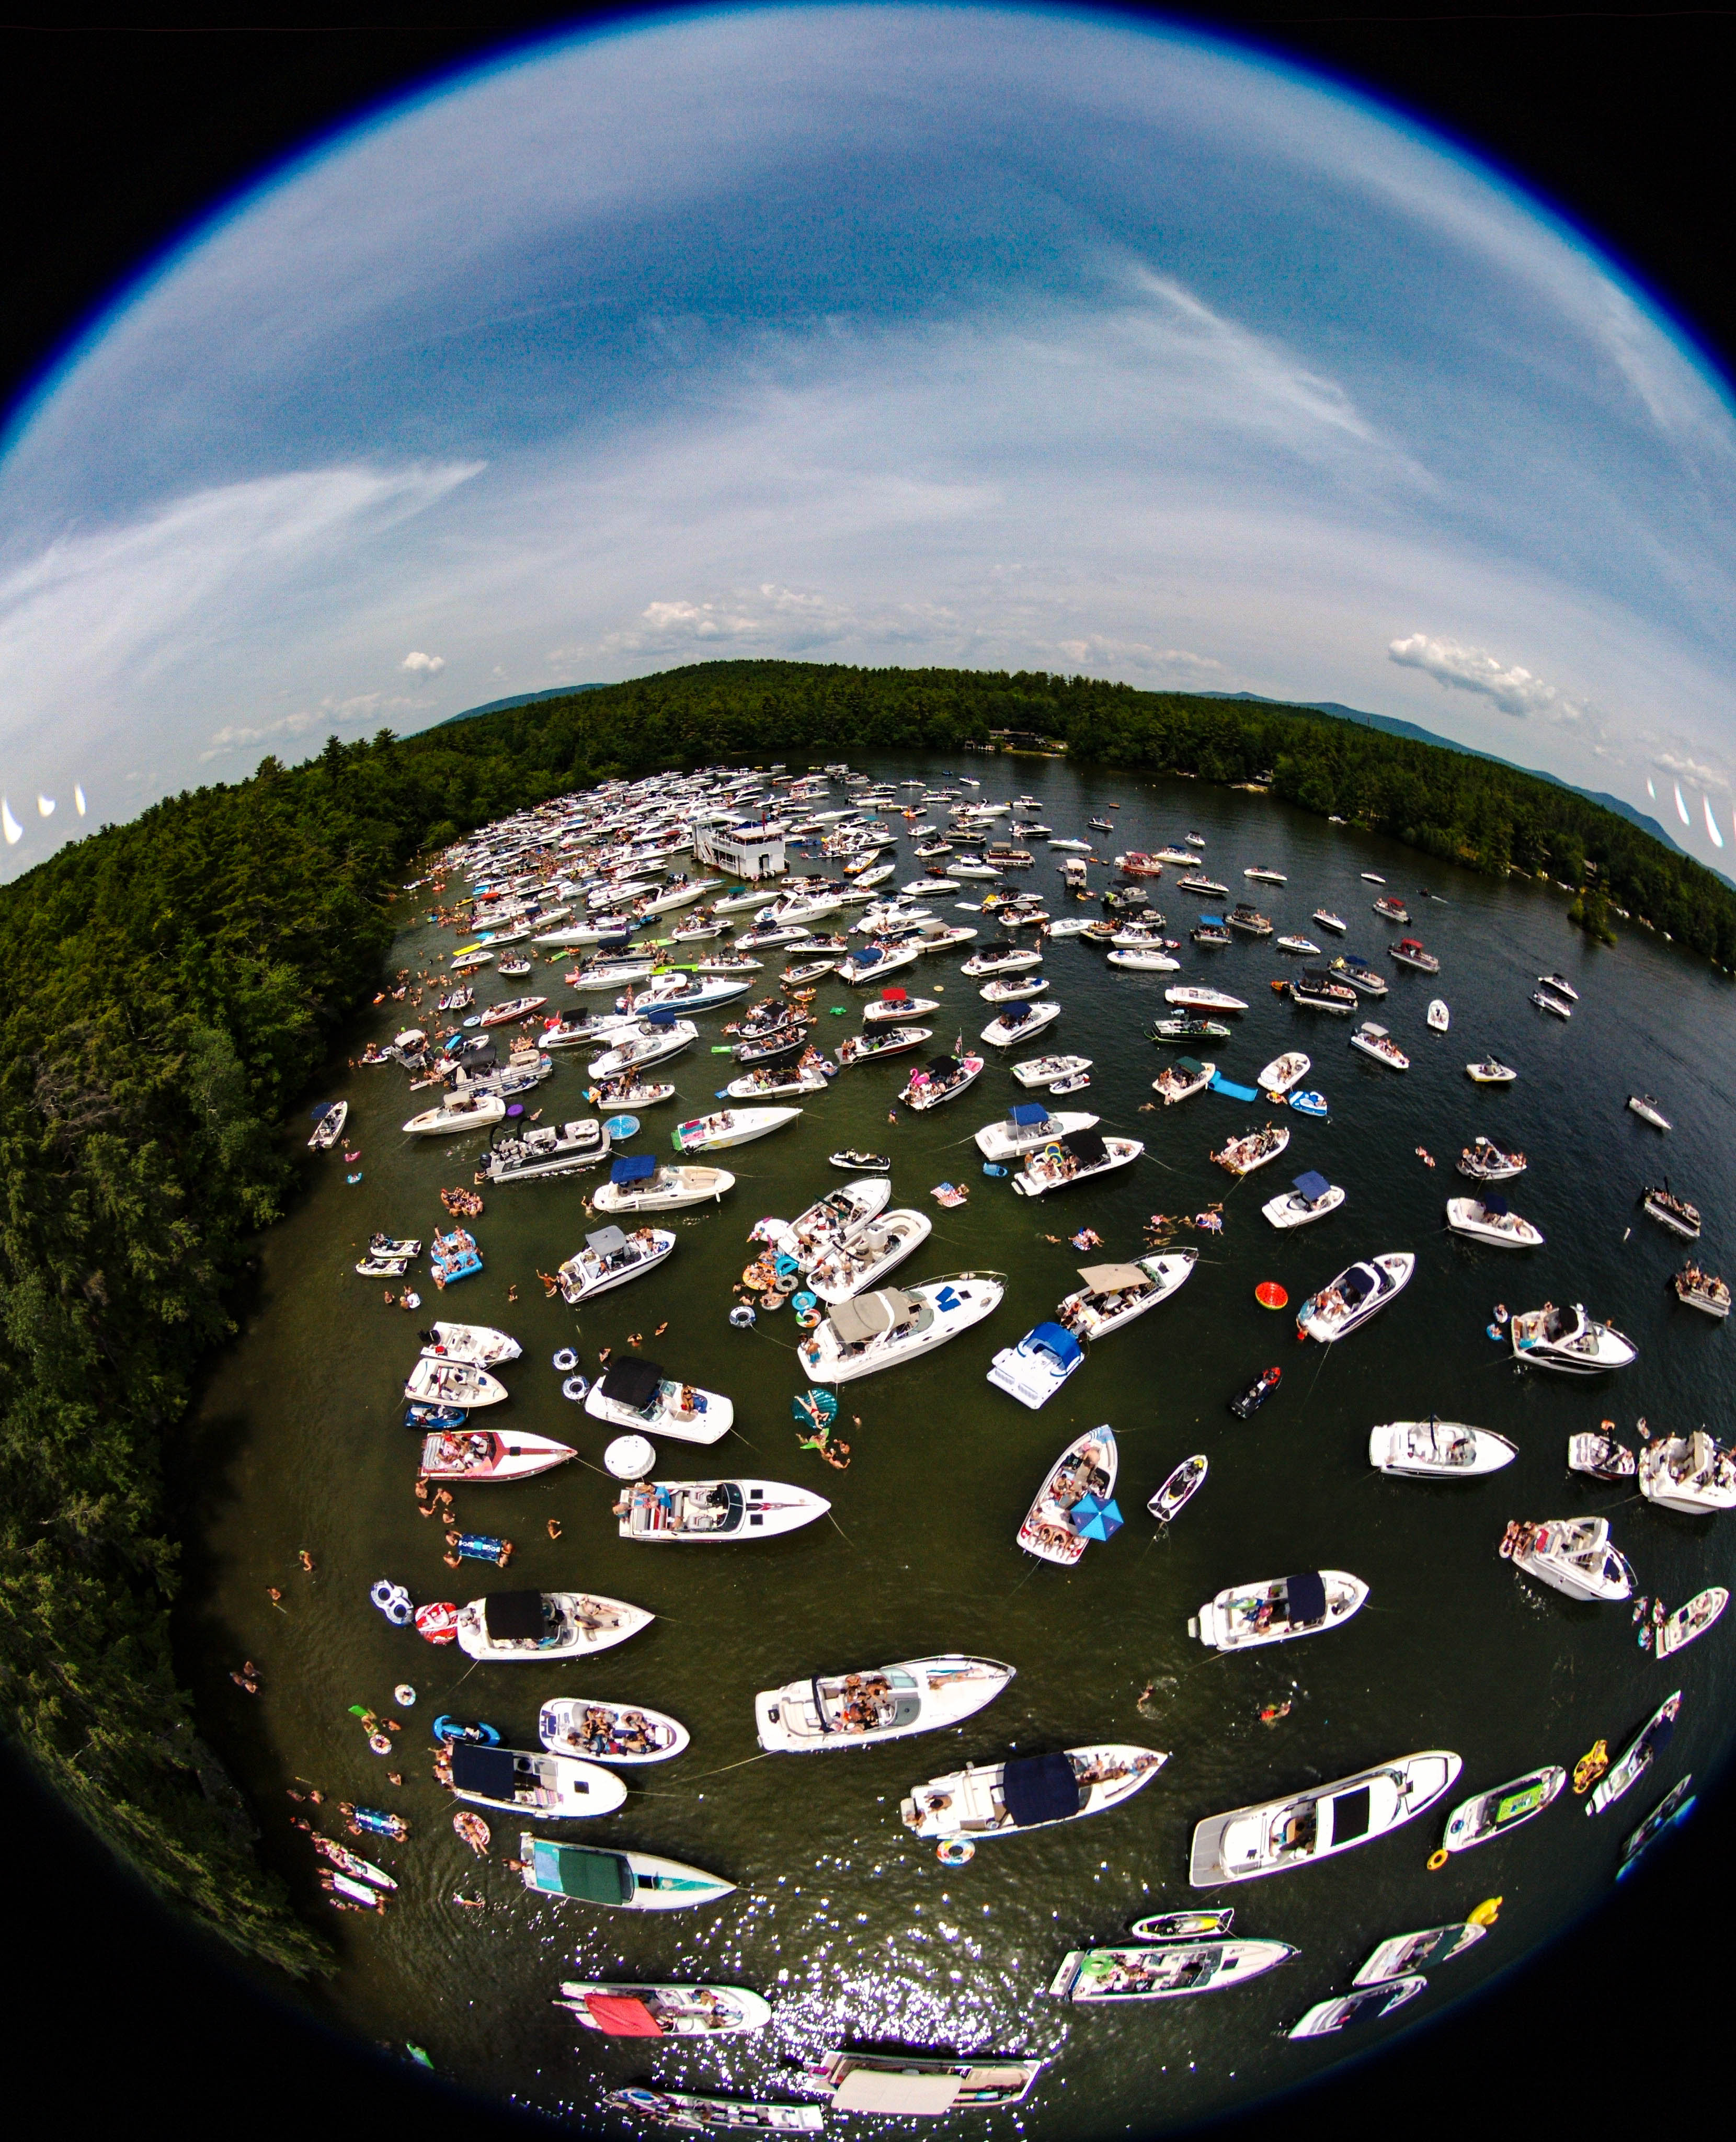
(1600, 1455)
(906, 2085)
(1573, 1554)
(1020, 1023)
(479, 1344)
(1025, 1126)
(545, 1625)
(828, 1221)
(942, 1079)
(1283, 1072)
(475, 1455)
(1262, 876)
(1079, 1157)
(1637, 1758)
(1304, 947)
(1311, 1197)
(329, 1128)
(1483, 1161)
(1029, 1792)
(437, 1381)
(1689, 1621)
(1401, 1954)
(873, 963)
(730, 1127)
(687, 1511)
(1328, 920)
(664, 2012)
(1074, 925)
(1488, 1219)
(1243, 1155)
(585, 1027)
(1011, 992)
(1072, 1506)
(613, 1733)
(1689, 1473)
(637, 1395)
(881, 1329)
(457, 1113)
(871, 1047)
(658, 1037)
(547, 1149)
(641, 1184)
(1545, 1002)
(610, 1259)
(1437, 1449)
(1144, 961)
(683, 994)
(512, 1010)
(1360, 1291)
(879, 1703)
(1560, 985)
(1114, 1295)
(1568, 1342)
(1035, 1369)
(777, 1081)
(1274, 1836)
(1182, 1079)
(1490, 1072)
(1439, 1016)
(894, 1005)
(611, 974)
(533, 1782)
(1314, 990)
(1040, 1071)
(1164, 1973)
(1276, 1609)
(1485, 1815)
(1372, 1040)
(1195, 997)
(868, 1254)
(1363, 2004)
(998, 959)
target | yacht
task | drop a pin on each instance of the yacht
(1273, 1836)
(881, 1329)
(1273, 1610)
(1437, 1449)
(1359, 1292)
(825, 1711)
(1573, 1555)
(1568, 1342)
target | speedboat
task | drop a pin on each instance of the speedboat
(641, 1184)
(664, 2012)
(1029, 1792)
(710, 1510)
(903, 2083)
(611, 974)
(1637, 1758)
(1191, 997)
(1489, 1072)
(1274, 1836)
(1360, 1291)
(1080, 1156)
(896, 1041)
(615, 1733)
(1689, 1621)
(479, 1344)
(1440, 1019)
(1262, 876)
(1000, 960)
(873, 963)
(1598, 1454)
(1408, 952)
(1256, 1149)
(548, 1788)
(1182, 1080)
(1035, 1369)
(829, 1220)
(659, 1036)
(1487, 1814)
(1662, 1205)
(545, 1625)
(1019, 1023)
(610, 1259)
(1275, 1609)
(1114, 1295)
(329, 1128)
(941, 1078)
(1487, 1219)
(1027, 1125)
(436, 1381)
(1164, 1973)
(1677, 1805)
(637, 1395)
(861, 1259)
(1074, 1504)
(879, 1703)
(457, 1113)
(1185, 1028)
(778, 1082)
(1560, 985)
(1039, 1071)
(894, 1005)
(1311, 1197)
(1568, 1341)
(881, 1329)
(1434, 1449)
(730, 1127)
(1400, 1955)
(1197, 881)
(1145, 960)
(1304, 947)
(1483, 1161)
(515, 1007)
(478, 1454)
(547, 1149)
(1375, 1041)
(1544, 1002)
(1573, 1554)
(1689, 1473)
(1364, 2004)
(1284, 1072)
(1316, 991)
(1328, 920)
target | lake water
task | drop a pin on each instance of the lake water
(856, 1932)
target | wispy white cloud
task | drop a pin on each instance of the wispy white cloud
(1515, 690)
(1685, 768)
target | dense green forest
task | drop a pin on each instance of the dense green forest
(177, 983)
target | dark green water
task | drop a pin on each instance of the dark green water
(854, 1932)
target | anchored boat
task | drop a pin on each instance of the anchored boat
(1029, 1792)
(1164, 1973)
(1274, 1836)
(878, 1703)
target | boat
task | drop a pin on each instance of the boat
(533, 1782)
(1304, 947)
(870, 1048)
(438, 1382)
(1487, 1815)
(664, 2012)
(1662, 1204)
(1146, 961)
(778, 1083)
(1311, 1197)
(1029, 1792)
(1191, 997)
(894, 1005)
(1209, 932)
(1403, 1954)
(1637, 1758)
(1391, 908)
(904, 2085)
(515, 1007)
(479, 1344)
(329, 1128)
(1560, 985)
(1164, 1973)
(1249, 1402)
(1574, 1555)
(1073, 1504)
(664, 1511)
(1375, 1041)
(1490, 1072)
(1256, 1149)
(636, 1395)
(639, 1183)
(1316, 991)
(1182, 1079)
(893, 1325)
(1696, 1289)
(1689, 1621)
(1328, 920)
(1440, 1019)
(1434, 1449)
(730, 1127)
(1544, 1002)
(546, 1150)
(1261, 875)
(1000, 960)
(1040, 1071)
(1114, 1295)
(1184, 857)
(1408, 952)
(1035, 1369)
(1568, 1342)
(1353, 969)
(860, 1162)
(474, 1454)
(1483, 1161)
(610, 1259)
(658, 1036)
(457, 1113)
(855, 1710)
(941, 1078)
(1275, 1609)
(1360, 1291)
(1689, 1473)
(1027, 1125)
(1273, 1836)
(680, 2108)
(1183, 1029)
(863, 1257)
(777, 1045)
(1166, 1504)
(1284, 1072)
(1488, 1219)
(1197, 881)
(545, 1625)
(1366, 2004)
(1677, 1805)
(1080, 1156)
(613, 1733)
(830, 1219)
(1601, 1456)
(618, 1881)
(1020, 1023)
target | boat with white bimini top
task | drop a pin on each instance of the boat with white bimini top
(1019, 1023)
(1568, 1342)
(1437, 1449)
(1648, 1110)
(1311, 1197)
(1078, 1158)
(546, 1625)
(1040, 1071)
(1035, 1369)
(1360, 1291)
(1689, 1473)
(1029, 1792)
(479, 1344)
(879, 1330)
(730, 1127)
(545, 1150)
(1639, 1755)
(1283, 1072)
(610, 1259)
(1573, 1555)
(456, 1114)
(1164, 1973)
(637, 1395)
(1025, 1126)
(436, 1381)
(879, 1703)
(613, 1733)
(639, 1184)
(868, 1254)
(1405, 1953)
(1182, 1079)
(1194, 998)
(479, 1454)
(1365, 2004)
(1485, 1815)
(664, 2012)
(1489, 1219)
(1114, 1295)
(1375, 1041)
(1274, 1836)
(665, 1511)
(1275, 1609)
(533, 1782)
(1075, 1503)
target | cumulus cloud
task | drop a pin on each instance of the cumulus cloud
(1685, 768)
(426, 665)
(1514, 690)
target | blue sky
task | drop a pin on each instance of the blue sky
(880, 334)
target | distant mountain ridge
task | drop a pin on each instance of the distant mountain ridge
(520, 699)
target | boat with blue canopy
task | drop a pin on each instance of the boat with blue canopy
(1035, 1369)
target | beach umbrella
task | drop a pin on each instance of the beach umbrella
(1094, 1519)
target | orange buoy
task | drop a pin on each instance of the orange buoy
(1270, 1295)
